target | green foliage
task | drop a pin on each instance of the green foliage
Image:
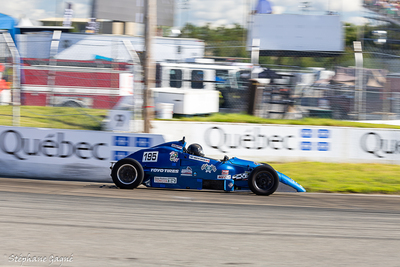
(219, 34)
(222, 41)
(226, 41)
(351, 32)
(231, 42)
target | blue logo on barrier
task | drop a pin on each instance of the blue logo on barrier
(121, 141)
(306, 133)
(120, 155)
(306, 146)
(320, 134)
(143, 142)
(323, 133)
(323, 146)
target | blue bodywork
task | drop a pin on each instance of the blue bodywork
(169, 166)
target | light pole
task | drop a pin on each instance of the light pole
(183, 5)
(359, 92)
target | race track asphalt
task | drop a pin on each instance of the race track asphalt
(96, 224)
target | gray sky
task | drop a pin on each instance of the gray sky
(199, 12)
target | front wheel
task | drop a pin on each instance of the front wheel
(127, 173)
(263, 180)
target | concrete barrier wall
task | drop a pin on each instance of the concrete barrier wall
(66, 154)
(282, 143)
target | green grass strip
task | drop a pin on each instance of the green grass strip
(243, 118)
(55, 117)
(343, 177)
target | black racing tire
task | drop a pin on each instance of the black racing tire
(127, 173)
(263, 180)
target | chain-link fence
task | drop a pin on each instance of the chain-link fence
(96, 72)
(10, 77)
(333, 96)
(92, 73)
(86, 73)
(296, 85)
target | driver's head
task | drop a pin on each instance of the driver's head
(195, 149)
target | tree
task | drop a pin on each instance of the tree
(226, 41)
(221, 41)
(351, 32)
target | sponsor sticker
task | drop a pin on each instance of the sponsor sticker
(164, 170)
(187, 172)
(208, 168)
(225, 172)
(176, 146)
(150, 156)
(173, 156)
(147, 183)
(165, 180)
(199, 158)
(223, 177)
(241, 176)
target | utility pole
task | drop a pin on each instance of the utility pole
(359, 103)
(149, 70)
(51, 78)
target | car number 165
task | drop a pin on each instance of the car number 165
(150, 157)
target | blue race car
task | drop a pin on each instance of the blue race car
(171, 165)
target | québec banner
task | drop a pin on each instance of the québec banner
(66, 154)
(280, 143)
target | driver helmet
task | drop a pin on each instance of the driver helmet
(195, 149)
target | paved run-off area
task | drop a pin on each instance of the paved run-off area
(95, 224)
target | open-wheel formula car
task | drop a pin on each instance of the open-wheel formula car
(172, 165)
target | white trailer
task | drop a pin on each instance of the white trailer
(193, 87)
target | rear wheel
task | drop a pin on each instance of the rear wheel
(127, 173)
(263, 180)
